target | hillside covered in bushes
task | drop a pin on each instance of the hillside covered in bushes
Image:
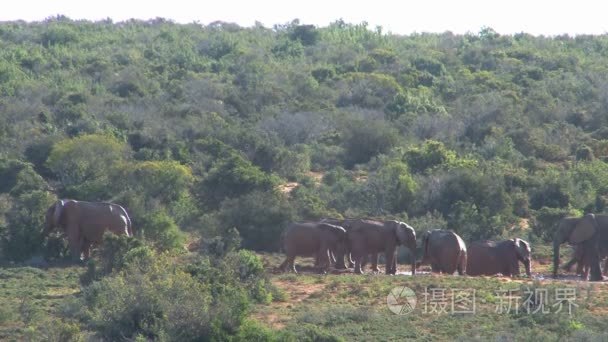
(194, 128)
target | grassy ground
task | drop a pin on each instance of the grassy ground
(350, 306)
(31, 296)
(355, 307)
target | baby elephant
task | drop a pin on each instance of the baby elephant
(314, 239)
(445, 251)
(490, 258)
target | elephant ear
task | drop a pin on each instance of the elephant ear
(584, 230)
(402, 232)
(395, 226)
(58, 209)
(522, 246)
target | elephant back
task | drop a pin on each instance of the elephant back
(301, 238)
(439, 239)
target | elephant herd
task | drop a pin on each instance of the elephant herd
(362, 240)
(359, 241)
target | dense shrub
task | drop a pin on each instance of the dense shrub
(260, 217)
(364, 139)
(161, 231)
(113, 255)
(163, 303)
(21, 237)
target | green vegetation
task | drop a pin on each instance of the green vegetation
(196, 130)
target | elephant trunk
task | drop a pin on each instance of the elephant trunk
(412, 247)
(527, 263)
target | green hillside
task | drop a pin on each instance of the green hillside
(213, 134)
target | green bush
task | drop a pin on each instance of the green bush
(433, 154)
(364, 139)
(259, 217)
(238, 272)
(84, 165)
(22, 237)
(230, 177)
(115, 252)
(160, 229)
(163, 303)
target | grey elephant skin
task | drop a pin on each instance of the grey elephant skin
(372, 237)
(314, 239)
(343, 251)
(490, 258)
(591, 232)
(581, 258)
(84, 223)
(445, 251)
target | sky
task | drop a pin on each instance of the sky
(537, 17)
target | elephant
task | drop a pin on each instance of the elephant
(489, 257)
(581, 259)
(372, 237)
(591, 232)
(84, 223)
(445, 251)
(337, 256)
(311, 239)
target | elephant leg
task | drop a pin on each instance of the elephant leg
(86, 249)
(317, 260)
(324, 263)
(389, 255)
(375, 263)
(340, 262)
(288, 263)
(394, 266)
(358, 268)
(580, 268)
(284, 264)
(462, 265)
(341, 252)
(591, 247)
(567, 266)
(74, 242)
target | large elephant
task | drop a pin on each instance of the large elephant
(591, 232)
(372, 237)
(84, 223)
(445, 251)
(314, 239)
(489, 257)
